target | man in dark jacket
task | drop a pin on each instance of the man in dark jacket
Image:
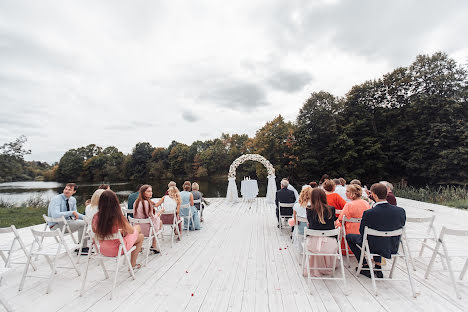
(284, 196)
(382, 217)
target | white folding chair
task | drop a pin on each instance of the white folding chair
(444, 253)
(297, 236)
(202, 206)
(366, 253)
(66, 231)
(186, 214)
(174, 226)
(430, 235)
(343, 227)
(337, 255)
(2, 299)
(281, 216)
(153, 234)
(38, 248)
(7, 248)
(127, 211)
(95, 252)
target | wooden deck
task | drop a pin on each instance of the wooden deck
(240, 261)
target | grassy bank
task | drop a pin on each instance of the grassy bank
(27, 213)
(453, 196)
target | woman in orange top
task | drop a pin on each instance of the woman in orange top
(333, 199)
(353, 209)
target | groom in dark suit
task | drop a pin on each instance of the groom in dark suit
(382, 217)
(285, 196)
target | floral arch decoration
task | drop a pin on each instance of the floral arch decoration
(255, 157)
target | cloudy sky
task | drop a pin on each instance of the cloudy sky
(116, 73)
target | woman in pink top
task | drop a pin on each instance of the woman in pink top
(108, 221)
(144, 209)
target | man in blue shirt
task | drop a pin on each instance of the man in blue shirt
(65, 205)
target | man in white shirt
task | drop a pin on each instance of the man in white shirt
(340, 188)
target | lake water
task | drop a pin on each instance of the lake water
(19, 192)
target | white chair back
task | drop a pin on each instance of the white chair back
(336, 233)
(7, 247)
(50, 251)
(343, 229)
(122, 252)
(281, 216)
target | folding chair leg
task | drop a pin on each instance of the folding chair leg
(361, 260)
(463, 272)
(73, 262)
(3, 257)
(25, 250)
(343, 273)
(52, 273)
(309, 281)
(8, 259)
(452, 276)
(431, 262)
(5, 304)
(119, 257)
(409, 252)
(408, 270)
(25, 272)
(371, 269)
(104, 268)
(393, 267)
(85, 274)
(347, 252)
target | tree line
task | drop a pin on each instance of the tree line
(409, 124)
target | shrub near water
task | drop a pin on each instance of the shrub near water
(454, 196)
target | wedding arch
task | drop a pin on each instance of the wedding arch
(232, 195)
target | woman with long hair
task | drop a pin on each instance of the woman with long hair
(321, 216)
(143, 208)
(108, 221)
(171, 203)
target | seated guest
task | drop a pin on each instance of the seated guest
(285, 196)
(353, 209)
(143, 208)
(299, 209)
(196, 196)
(340, 188)
(132, 198)
(333, 199)
(187, 198)
(364, 193)
(104, 187)
(101, 187)
(65, 205)
(93, 207)
(172, 183)
(108, 221)
(382, 217)
(171, 203)
(323, 179)
(391, 199)
(321, 216)
(313, 184)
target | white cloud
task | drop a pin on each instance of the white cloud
(119, 72)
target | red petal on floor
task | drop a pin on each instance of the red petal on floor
(280, 249)
(186, 271)
(192, 294)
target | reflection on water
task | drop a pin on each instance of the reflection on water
(19, 192)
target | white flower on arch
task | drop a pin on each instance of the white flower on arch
(255, 157)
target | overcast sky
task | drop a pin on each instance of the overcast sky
(116, 73)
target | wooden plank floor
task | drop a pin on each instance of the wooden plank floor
(240, 261)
